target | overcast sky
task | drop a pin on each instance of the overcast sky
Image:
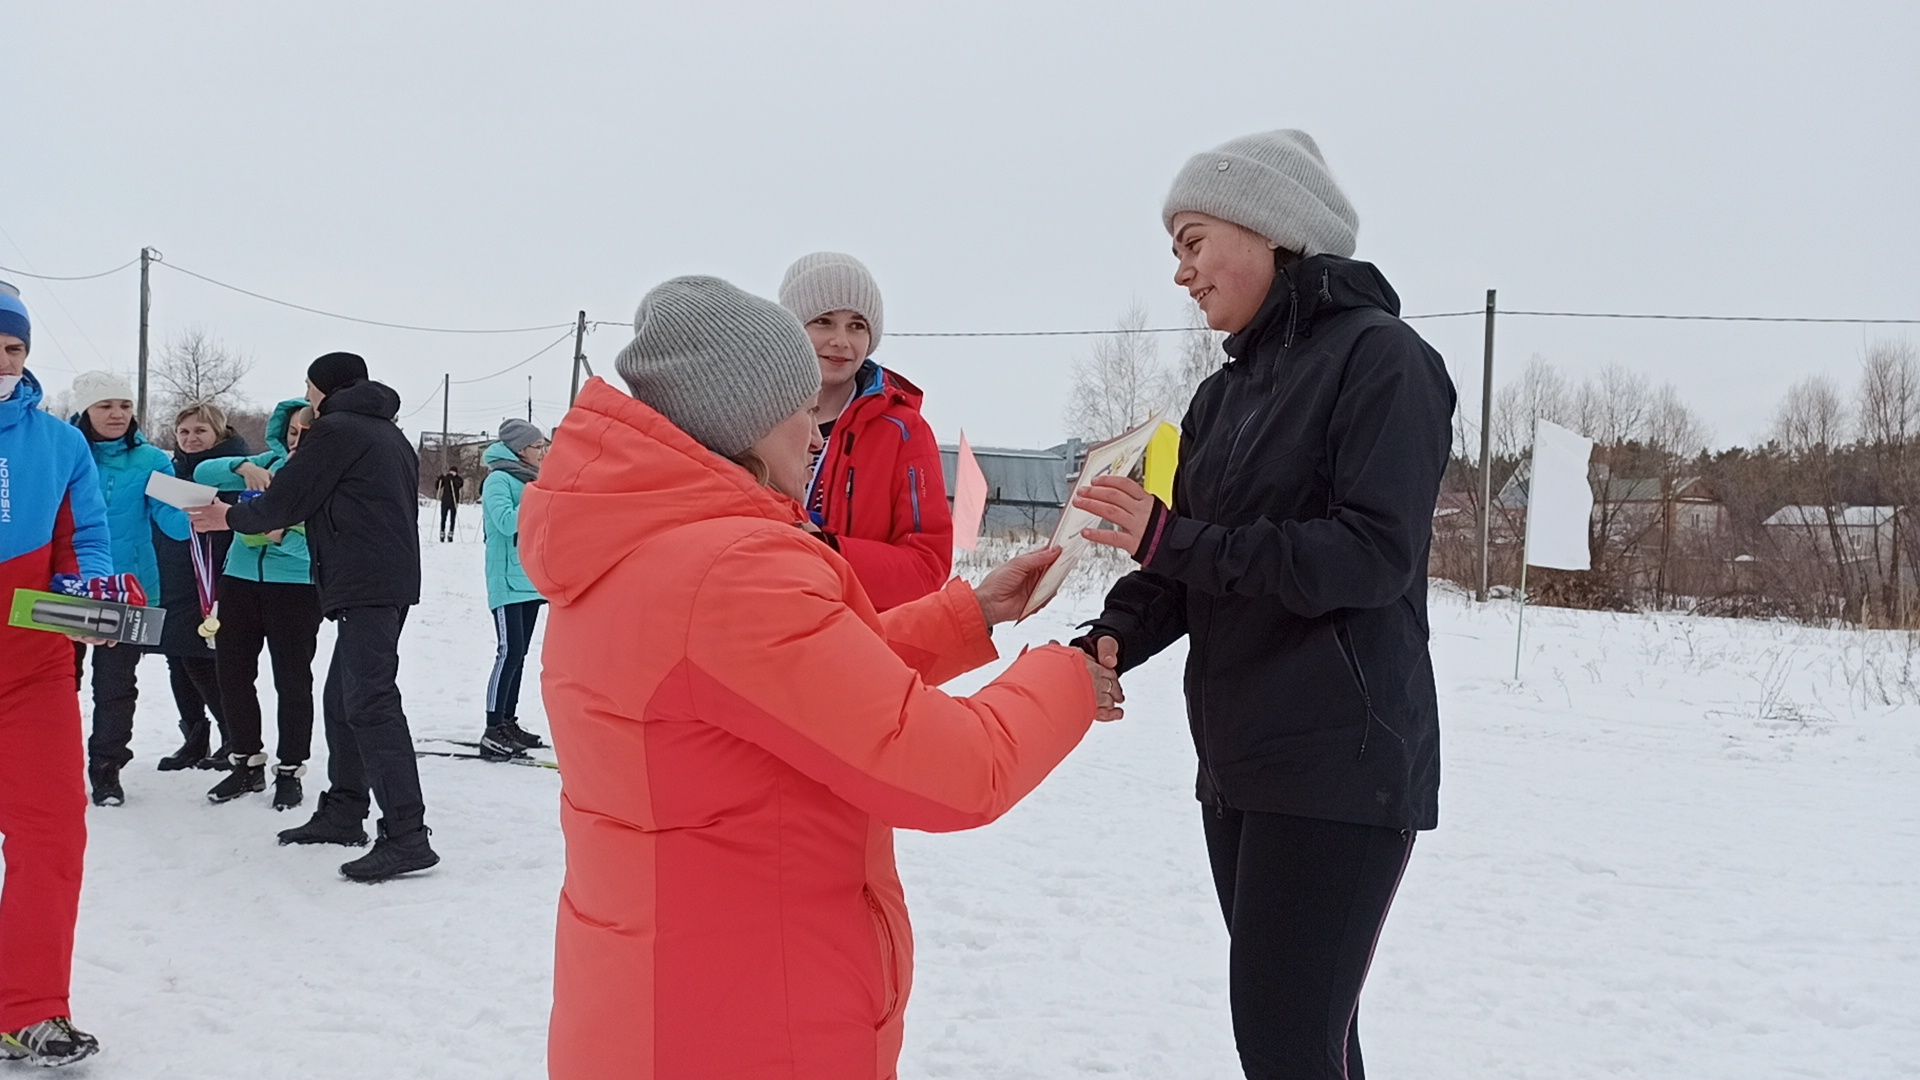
(998, 166)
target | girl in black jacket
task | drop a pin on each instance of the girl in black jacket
(1294, 557)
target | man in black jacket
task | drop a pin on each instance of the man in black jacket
(353, 484)
(449, 486)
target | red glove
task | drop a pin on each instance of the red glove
(114, 588)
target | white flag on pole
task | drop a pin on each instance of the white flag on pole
(1559, 499)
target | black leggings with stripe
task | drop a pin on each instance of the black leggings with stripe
(1305, 901)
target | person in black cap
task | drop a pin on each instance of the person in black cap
(353, 484)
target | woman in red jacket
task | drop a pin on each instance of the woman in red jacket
(739, 730)
(877, 493)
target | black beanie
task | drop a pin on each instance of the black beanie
(336, 371)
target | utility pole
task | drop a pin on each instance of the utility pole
(446, 410)
(146, 303)
(529, 399)
(579, 356)
(1486, 463)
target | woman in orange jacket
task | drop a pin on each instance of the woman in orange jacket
(739, 731)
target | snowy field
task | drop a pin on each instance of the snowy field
(1681, 848)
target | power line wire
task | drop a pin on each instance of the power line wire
(1717, 318)
(437, 387)
(69, 277)
(523, 363)
(356, 319)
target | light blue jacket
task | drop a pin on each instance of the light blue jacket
(131, 514)
(256, 558)
(500, 508)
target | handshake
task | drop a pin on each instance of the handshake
(1003, 595)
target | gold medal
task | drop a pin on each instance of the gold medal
(209, 627)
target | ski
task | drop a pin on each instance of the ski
(475, 756)
(471, 751)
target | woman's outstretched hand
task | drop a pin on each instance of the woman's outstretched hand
(1106, 691)
(1003, 594)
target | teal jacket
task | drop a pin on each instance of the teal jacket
(256, 558)
(500, 510)
(131, 515)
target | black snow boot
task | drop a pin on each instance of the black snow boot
(193, 749)
(248, 775)
(106, 784)
(527, 739)
(392, 855)
(219, 761)
(287, 792)
(500, 743)
(332, 823)
(48, 1043)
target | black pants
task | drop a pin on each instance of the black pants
(286, 620)
(196, 693)
(513, 626)
(1304, 902)
(369, 749)
(448, 511)
(115, 692)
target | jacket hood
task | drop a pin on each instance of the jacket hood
(498, 452)
(879, 382)
(620, 475)
(25, 400)
(184, 462)
(366, 397)
(280, 421)
(1316, 287)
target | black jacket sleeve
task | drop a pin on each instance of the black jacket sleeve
(302, 484)
(1388, 440)
(1145, 611)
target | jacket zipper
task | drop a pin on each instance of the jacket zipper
(1352, 656)
(1233, 447)
(849, 526)
(913, 492)
(889, 976)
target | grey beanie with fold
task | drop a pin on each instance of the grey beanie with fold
(519, 434)
(723, 365)
(1274, 183)
(830, 281)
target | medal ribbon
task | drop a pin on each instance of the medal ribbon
(200, 546)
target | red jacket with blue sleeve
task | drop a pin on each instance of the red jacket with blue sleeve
(880, 495)
(52, 518)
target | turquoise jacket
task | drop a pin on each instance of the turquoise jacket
(500, 510)
(131, 515)
(256, 558)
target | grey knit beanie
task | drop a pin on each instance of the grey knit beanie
(722, 364)
(519, 434)
(829, 281)
(1274, 183)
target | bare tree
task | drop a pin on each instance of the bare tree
(1612, 410)
(1810, 428)
(1676, 437)
(1120, 384)
(1539, 394)
(1889, 423)
(1200, 356)
(196, 368)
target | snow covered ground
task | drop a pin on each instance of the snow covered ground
(1681, 847)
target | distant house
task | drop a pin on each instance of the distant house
(1456, 516)
(1630, 510)
(1026, 489)
(1864, 534)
